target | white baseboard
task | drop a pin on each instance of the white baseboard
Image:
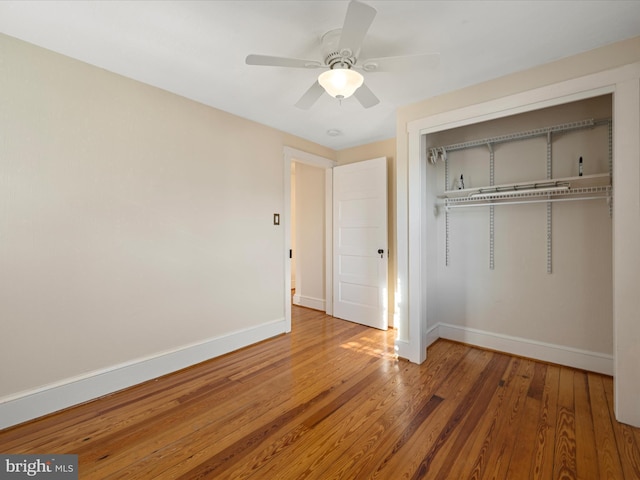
(402, 348)
(35, 403)
(547, 352)
(309, 302)
(433, 334)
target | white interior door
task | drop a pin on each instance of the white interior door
(360, 248)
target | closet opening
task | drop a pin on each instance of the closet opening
(520, 234)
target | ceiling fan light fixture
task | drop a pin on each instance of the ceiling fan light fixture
(340, 82)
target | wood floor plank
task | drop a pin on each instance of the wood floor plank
(325, 432)
(543, 456)
(414, 457)
(636, 435)
(586, 455)
(294, 421)
(472, 457)
(565, 454)
(524, 441)
(625, 439)
(509, 423)
(330, 400)
(490, 390)
(274, 403)
(609, 466)
(202, 452)
(331, 438)
(381, 432)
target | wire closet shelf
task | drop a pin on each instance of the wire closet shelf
(549, 190)
(589, 187)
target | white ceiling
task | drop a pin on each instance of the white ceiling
(197, 49)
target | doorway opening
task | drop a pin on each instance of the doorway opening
(292, 158)
(308, 236)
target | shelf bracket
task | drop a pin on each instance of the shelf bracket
(443, 155)
(549, 204)
(491, 209)
(446, 237)
(610, 154)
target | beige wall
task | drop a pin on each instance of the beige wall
(385, 148)
(132, 221)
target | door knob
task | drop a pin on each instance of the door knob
(381, 252)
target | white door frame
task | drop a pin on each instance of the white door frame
(291, 155)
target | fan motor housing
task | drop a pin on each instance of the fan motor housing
(330, 51)
(334, 59)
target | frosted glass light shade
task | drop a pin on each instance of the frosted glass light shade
(340, 82)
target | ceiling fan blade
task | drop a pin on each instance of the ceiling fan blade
(267, 60)
(366, 97)
(400, 63)
(356, 23)
(310, 96)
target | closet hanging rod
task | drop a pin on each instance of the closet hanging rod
(555, 189)
(436, 152)
(563, 189)
(537, 186)
(522, 202)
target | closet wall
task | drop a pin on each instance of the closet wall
(569, 307)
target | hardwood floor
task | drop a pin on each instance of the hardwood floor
(331, 401)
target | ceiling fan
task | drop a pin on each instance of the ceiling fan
(340, 50)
